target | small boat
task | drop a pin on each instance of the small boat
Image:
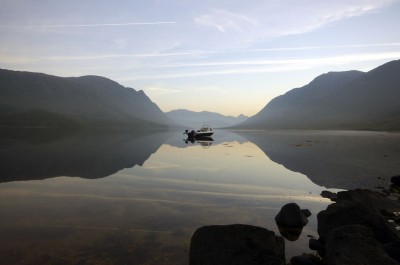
(204, 131)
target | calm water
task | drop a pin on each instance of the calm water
(137, 198)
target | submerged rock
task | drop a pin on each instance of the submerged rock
(236, 245)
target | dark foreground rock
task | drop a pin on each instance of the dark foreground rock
(362, 227)
(362, 207)
(355, 244)
(359, 229)
(330, 195)
(315, 244)
(306, 259)
(306, 212)
(236, 245)
(290, 215)
(338, 215)
(393, 249)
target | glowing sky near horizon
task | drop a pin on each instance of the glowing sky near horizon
(227, 56)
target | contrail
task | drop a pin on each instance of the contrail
(92, 25)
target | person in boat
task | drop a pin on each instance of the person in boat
(191, 133)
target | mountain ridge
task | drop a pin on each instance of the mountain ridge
(79, 101)
(195, 119)
(337, 100)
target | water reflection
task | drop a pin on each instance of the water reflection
(290, 233)
(334, 159)
(41, 154)
(203, 141)
(159, 191)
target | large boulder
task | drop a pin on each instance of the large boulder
(290, 215)
(368, 197)
(358, 207)
(236, 245)
(355, 244)
(360, 228)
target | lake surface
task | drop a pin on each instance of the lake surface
(137, 198)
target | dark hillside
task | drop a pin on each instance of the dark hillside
(337, 100)
(44, 100)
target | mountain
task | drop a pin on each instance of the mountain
(337, 100)
(36, 99)
(192, 119)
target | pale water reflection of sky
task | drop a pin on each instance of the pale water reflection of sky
(234, 165)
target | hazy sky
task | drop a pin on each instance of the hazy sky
(227, 56)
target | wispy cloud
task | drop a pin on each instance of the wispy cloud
(224, 20)
(272, 19)
(269, 66)
(344, 59)
(192, 53)
(346, 10)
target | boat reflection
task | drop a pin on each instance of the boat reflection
(205, 141)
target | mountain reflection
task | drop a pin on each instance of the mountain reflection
(343, 160)
(40, 154)
(333, 159)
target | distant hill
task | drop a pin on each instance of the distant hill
(35, 99)
(337, 100)
(192, 119)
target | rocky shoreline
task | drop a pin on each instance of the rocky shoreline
(360, 227)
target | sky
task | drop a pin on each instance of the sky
(225, 56)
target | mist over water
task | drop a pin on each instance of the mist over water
(137, 198)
